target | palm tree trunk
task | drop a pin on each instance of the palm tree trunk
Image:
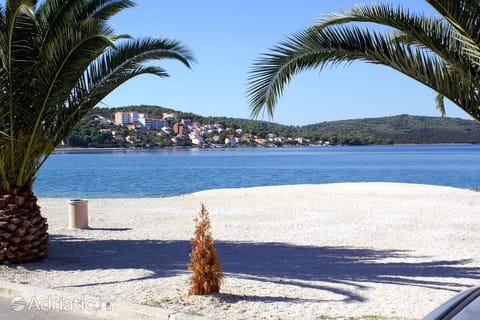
(23, 230)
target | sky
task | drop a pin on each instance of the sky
(226, 37)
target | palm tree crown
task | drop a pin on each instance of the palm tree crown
(441, 52)
(58, 60)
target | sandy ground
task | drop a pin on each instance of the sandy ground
(289, 252)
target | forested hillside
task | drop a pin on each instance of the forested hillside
(96, 130)
(403, 129)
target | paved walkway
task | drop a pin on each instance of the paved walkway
(20, 301)
(7, 310)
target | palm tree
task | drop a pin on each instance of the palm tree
(59, 59)
(441, 52)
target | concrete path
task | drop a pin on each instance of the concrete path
(19, 301)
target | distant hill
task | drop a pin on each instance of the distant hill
(404, 129)
(401, 129)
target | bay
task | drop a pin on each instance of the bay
(168, 172)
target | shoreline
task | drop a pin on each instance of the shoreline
(234, 189)
(298, 251)
(259, 146)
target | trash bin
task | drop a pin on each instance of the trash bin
(78, 214)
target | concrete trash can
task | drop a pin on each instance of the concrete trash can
(78, 214)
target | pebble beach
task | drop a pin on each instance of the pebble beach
(288, 252)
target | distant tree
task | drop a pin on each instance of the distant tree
(442, 53)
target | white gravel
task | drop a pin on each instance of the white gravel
(289, 252)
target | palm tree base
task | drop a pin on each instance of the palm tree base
(23, 230)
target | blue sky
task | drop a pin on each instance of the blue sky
(227, 36)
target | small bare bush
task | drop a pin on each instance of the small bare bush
(205, 264)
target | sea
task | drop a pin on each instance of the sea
(101, 173)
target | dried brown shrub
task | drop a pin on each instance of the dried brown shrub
(205, 264)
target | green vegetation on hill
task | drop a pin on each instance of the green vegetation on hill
(404, 129)
(93, 131)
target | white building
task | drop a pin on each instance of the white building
(140, 119)
(152, 123)
(231, 141)
(169, 115)
(167, 130)
(196, 139)
(124, 118)
(155, 124)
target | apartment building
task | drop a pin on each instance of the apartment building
(152, 123)
(124, 118)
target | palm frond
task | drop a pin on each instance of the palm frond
(104, 9)
(464, 16)
(433, 34)
(440, 104)
(331, 46)
(18, 57)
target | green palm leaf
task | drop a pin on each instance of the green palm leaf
(439, 53)
(466, 24)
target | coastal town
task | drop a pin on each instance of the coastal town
(137, 129)
(157, 127)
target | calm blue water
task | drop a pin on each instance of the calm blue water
(144, 173)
